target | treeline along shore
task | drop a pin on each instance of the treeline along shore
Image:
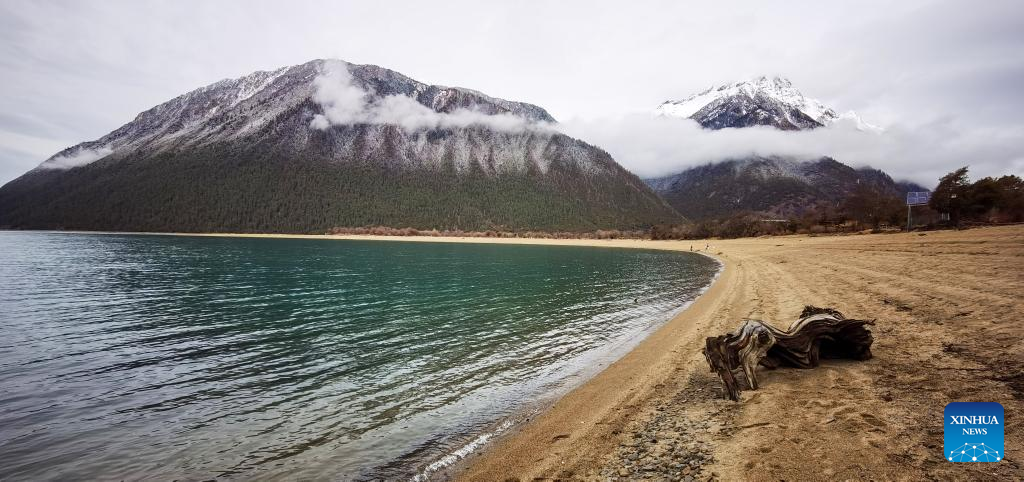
(956, 202)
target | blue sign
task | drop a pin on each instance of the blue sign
(973, 432)
(918, 198)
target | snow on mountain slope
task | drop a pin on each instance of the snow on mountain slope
(764, 100)
(232, 109)
(776, 185)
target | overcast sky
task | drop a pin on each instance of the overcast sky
(943, 78)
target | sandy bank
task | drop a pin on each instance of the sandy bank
(948, 306)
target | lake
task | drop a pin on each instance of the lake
(160, 357)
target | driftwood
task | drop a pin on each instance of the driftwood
(819, 333)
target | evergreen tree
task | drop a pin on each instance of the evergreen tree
(950, 195)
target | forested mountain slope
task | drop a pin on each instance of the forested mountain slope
(328, 144)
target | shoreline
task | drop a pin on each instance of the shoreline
(625, 382)
(514, 423)
(947, 306)
(676, 321)
(509, 426)
(582, 242)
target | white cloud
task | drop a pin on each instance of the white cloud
(345, 103)
(78, 158)
(653, 146)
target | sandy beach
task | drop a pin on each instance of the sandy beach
(947, 306)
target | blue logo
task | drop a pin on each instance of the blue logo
(973, 432)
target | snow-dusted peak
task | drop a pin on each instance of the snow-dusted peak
(759, 101)
(247, 107)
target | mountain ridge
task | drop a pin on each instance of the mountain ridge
(220, 108)
(772, 185)
(775, 186)
(767, 101)
(243, 155)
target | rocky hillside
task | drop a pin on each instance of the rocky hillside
(774, 186)
(329, 144)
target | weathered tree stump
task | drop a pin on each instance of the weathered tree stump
(819, 333)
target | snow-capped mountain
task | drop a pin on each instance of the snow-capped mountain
(768, 101)
(233, 109)
(311, 147)
(772, 185)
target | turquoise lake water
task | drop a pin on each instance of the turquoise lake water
(163, 357)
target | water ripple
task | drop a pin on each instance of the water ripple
(175, 357)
